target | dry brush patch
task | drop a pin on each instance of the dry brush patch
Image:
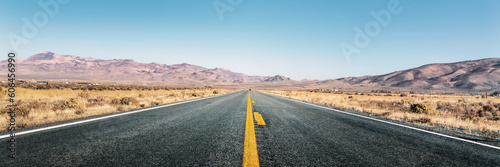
(42, 106)
(473, 115)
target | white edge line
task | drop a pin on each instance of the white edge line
(109, 116)
(392, 123)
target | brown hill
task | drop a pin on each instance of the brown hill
(48, 65)
(472, 75)
(277, 78)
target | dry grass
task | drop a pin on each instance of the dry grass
(37, 107)
(475, 115)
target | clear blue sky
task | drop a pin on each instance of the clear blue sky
(298, 39)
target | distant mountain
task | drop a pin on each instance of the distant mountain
(277, 78)
(481, 74)
(48, 65)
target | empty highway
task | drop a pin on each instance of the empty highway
(215, 131)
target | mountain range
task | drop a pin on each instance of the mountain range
(480, 74)
(48, 65)
(483, 74)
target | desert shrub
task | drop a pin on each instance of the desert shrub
(381, 104)
(20, 110)
(484, 113)
(128, 100)
(196, 94)
(115, 101)
(35, 104)
(386, 114)
(68, 104)
(124, 101)
(350, 97)
(155, 103)
(497, 106)
(141, 96)
(120, 108)
(488, 107)
(84, 94)
(215, 92)
(444, 106)
(423, 120)
(92, 100)
(488, 114)
(142, 105)
(420, 108)
(470, 114)
(4, 110)
(98, 101)
(79, 110)
(403, 95)
(495, 113)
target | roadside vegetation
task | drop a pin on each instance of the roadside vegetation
(41, 105)
(474, 115)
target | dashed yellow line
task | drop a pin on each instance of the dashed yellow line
(259, 119)
(250, 154)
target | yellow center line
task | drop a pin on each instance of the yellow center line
(250, 154)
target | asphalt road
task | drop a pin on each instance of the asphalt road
(210, 132)
(298, 134)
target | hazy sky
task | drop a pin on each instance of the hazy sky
(298, 39)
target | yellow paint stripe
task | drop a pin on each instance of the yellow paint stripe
(250, 154)
(259, 119)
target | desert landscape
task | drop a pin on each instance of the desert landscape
(250, 83)
(460, 96)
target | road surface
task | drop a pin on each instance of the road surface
(211, 132)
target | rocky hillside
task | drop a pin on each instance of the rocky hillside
(481, 74)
